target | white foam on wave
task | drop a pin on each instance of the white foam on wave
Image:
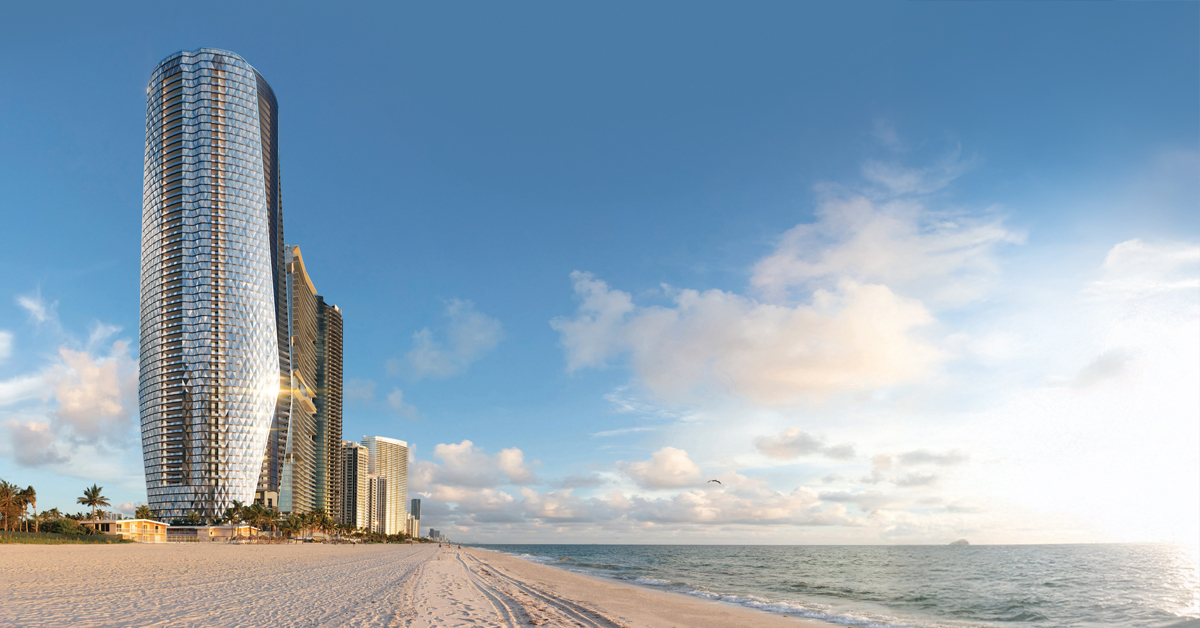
(653, 582)
(817, 611)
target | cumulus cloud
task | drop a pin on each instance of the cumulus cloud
(33, 444)
(95, 402)
(855, 336)
(95, 395)
(511, 462)
(667, 468)
(465, 466)
(739, 501)
(469, 335)
(794, 442)
(943, 258)
(395, 403)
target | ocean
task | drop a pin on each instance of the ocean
(1018, 586)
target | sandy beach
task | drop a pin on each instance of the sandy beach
(188, 585)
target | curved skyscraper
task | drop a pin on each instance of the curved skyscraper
(214, 320)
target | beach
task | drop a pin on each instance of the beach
(193, 585)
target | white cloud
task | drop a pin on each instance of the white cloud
(465, 466)
(469, 335)
(6, 343)
(34, 444)
(21, 388)
(794, 442)
(95, 397)
(1138, 269)
(395, 402)
(922, 456)
(855, 336)
(511, 462)
(39, 310)
(1107, 365)
(667, 468)
(598, 326)
(942, 258)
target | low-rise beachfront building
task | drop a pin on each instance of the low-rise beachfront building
(139, 530)
(211, 534)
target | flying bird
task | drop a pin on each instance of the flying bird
(717, 481)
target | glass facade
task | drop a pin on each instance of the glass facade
(213, 327)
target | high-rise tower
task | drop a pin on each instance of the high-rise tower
(389, 460)
(328, 419)
(213, 328)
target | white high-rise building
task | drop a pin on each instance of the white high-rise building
(389, 460)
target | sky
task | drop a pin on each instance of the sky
(891, 272)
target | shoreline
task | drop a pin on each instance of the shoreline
(288, 586)
(645, 605)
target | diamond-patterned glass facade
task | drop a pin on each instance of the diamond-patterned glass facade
(213, 302)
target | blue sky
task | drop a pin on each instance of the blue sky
(895, 271)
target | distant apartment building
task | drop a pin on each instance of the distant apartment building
(377, 503)
(389, 461)
(414, 516)
(355, 494)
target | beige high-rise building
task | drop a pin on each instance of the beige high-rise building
(389, 460)
(355, 495)
(311, 467)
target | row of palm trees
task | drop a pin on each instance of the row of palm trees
(15, 503)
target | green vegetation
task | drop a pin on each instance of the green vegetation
(46, 538)
(92, 497)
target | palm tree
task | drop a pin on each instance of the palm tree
(92, 497)
(29, 497)
(143, 512)
(292, 525)
(9, 499)
(234, 515)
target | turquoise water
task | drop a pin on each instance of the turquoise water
(1036, 586)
